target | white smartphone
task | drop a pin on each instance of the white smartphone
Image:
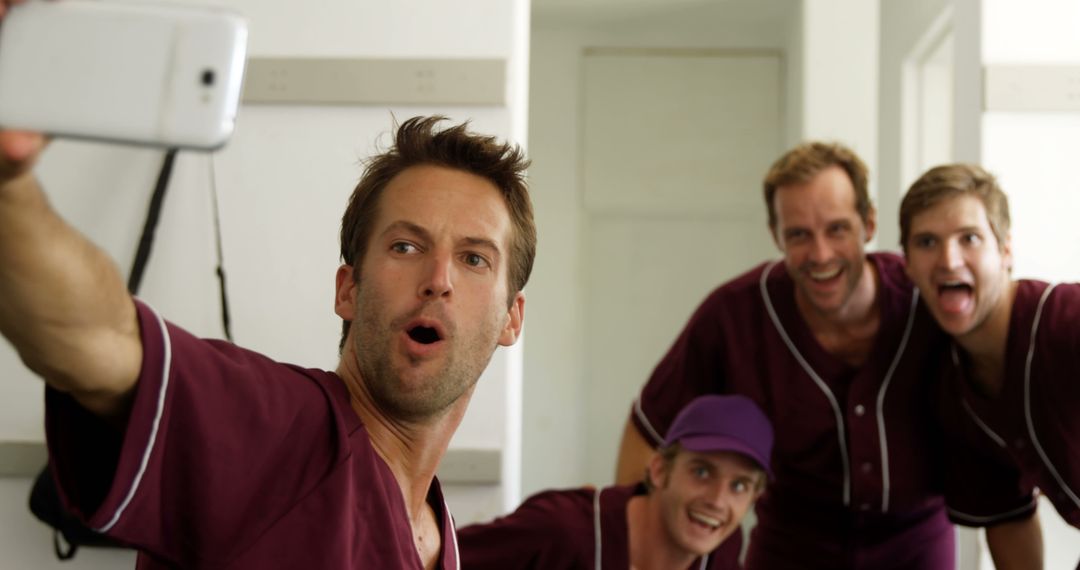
(151, 74)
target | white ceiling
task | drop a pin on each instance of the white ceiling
(594, 10)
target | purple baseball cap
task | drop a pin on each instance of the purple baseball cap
(724, 423)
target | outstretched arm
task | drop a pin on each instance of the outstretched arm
(634, 454)
(63, 304)
(1016, 544)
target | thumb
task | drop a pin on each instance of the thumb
(20, 146)
(18, 151)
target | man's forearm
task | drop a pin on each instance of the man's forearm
(1016, 544)
(63, 304)
(634, 454)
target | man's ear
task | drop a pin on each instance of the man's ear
(345, 295)
(657, 470)
(515, 318)
(1006, 252)
(871, 224)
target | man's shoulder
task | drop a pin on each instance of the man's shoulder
(546, 518)
(561, 503)
(1057, 309)
(747, 286)
(892, 271)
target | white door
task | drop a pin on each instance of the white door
(675, 146)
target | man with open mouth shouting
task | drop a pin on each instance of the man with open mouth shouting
(832, 344)
(686, 514)
(202, 454)
(1010, 396)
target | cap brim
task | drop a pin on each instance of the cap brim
(714, 443)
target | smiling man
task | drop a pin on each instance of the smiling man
(1011, 393)
(833, 346)
(204, 455)
(685, 514)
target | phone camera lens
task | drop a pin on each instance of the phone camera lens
(208, 77)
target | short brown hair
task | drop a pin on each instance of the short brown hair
(800, 164)
(417, 142)
(951, 180)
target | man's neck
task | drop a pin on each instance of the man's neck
(849, 332)
(650, 545)
(411, 449)
(985, 345)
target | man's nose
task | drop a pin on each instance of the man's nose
(952, 257)
(719, 495)
(820, 250)
(437, 280)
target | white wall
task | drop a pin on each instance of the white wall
(283, 182)
(560, 447)
(1033, 155)
(839, 63)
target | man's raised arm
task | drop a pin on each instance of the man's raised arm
(63, 304)
(634, 454)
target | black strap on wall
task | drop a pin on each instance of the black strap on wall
(226, 325)
(153, 215)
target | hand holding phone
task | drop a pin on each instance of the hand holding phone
(122, 71)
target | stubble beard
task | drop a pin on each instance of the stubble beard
(422, 398)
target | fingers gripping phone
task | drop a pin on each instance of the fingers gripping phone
(121, 71)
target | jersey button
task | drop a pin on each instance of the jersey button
(867, 467)
(1019, 443)
(860, 410)
(864, 507)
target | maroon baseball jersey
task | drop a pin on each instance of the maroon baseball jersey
(857, 462)
(1001, 448)
(232, 461)
(560, 530)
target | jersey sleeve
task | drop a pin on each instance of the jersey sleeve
(692, 367)
(983, 485)
(220, 443)
(545, 532)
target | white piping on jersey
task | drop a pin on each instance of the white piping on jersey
(971, 412)
(813, 376)
(983, 520)
(166, 365)
(597, 563)
(978, 421)
(881, 402)
(453, 533)
(645, 422)
(1027, 400)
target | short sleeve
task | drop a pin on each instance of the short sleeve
(983, 485)
(545, 532)
(691, 368)
(220, 443)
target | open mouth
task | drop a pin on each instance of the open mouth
(424, 335)
(825, 274)
(712, 523)
(955, 296)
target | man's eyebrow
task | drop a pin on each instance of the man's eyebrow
(482, 242)
(408, 227)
